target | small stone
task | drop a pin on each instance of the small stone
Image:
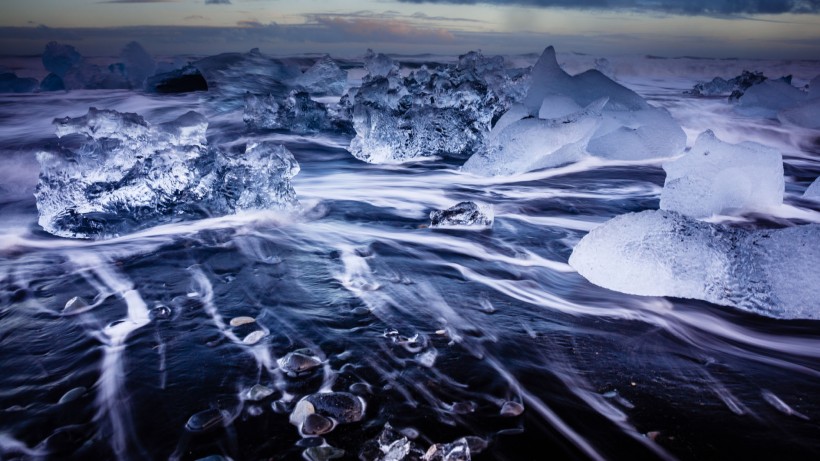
(281, 407)
(307, 442)
(207, 420)
(316, 425)
(359, 388)
(257, 392)
(464, 408)
(341, 406)
(72, 395)
(254, 337)
(301, 411)
(296, 363)
(239, 321)
(510, 409)
(323, 453)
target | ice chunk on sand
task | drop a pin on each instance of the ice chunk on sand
(663, 253)
(139, 65)
(430, 113)
(532, 143)
(813, 191)
(769, 98)
(632, 129)
(463, 214)
(379, 65)
(806, 115)
(720, 178)
(297, 112)
(323, 78)
(112, 173)
(735, 86)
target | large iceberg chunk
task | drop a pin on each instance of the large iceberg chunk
(531, 143)
(625, 128)
(813, 191)
(139, 65)
(662, 253)
(11, 83)
(719, 178)
(430, 113)
(734, 87)
(183, 80)
(111, 173)
(769, 98)
(807, 113)
(323, 78)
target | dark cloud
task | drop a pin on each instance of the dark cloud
(217, 2)
(685, 7)
(139, 1)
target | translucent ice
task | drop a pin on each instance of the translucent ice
(663, 253)
(323, 78)
(463, 214)
(111, 173)
(430, 113)
(296, 112)
(532, 143)
(769, 98)
(813, 192)
(720, 178)
(379, 65)
(59, 58)
(632, 129)
(807, 113)
(139, 65)
(734, 86)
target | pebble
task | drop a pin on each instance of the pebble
(295, 363)
(511, 409)
(239, 321)
(344, 407)
(464, 408)
(315, 424)
(254, 337)
(307, 442)
(161, 312)
(206, 420)
(72, 395)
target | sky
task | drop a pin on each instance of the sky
(780, 29)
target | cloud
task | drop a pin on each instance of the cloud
(683, 7)
(139, 1)
(195, 17)
(381, 29)
(217, 2)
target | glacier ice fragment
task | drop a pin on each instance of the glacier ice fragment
(720, 178)
(111, 173)
(771, 272)
(463, 214)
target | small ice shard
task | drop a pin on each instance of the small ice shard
(73, 394)
(531, 143)
(254, 337)
(242, 320)
(184, 80)
(663, 253)
(298, 362)
(720, 178)
(324, 77)
(207, 420)
(456, 451)
(511, 409)
(75, 305)
(11, 83)
(379, 65)
(463, 214)
(257, 392)
(111, 173)
(813, 191)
